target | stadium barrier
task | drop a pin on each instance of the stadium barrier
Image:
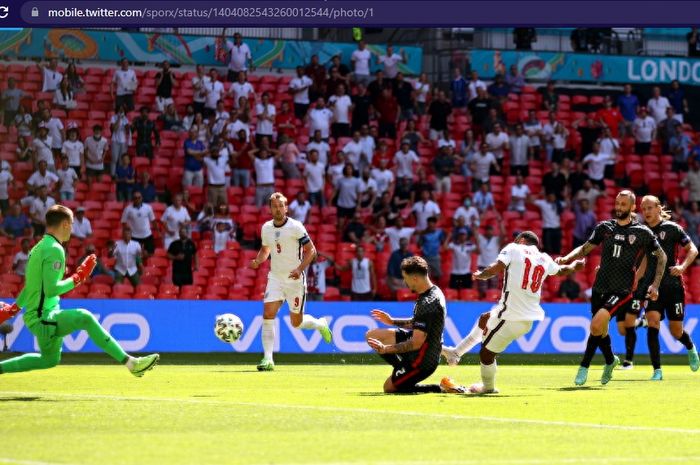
(188, 326)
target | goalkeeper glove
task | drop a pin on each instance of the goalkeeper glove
(7, 311)
(84, 270)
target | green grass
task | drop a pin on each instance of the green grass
(186, 414)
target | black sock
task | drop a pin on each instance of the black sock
(654, 349)
(426, 388)
(606, 349)
(630, 342)
(591, 347)
(686, 341)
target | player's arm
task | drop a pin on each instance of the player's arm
(494, 269)
(661, 258)
(51, 274)
(309, 256)
(263, 254)
(384, 317)
(411, 345)
(565, 270)
(691, 253)
(579, 252)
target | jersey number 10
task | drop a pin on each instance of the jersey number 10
(537, 276)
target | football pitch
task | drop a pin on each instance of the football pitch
(310, 413)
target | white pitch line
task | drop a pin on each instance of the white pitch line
(599, 460)
(324, 408)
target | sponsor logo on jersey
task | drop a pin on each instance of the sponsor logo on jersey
(631, 239)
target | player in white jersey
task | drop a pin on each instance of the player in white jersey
(525, 269)
(290, 249)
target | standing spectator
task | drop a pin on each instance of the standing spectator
(42, 177)
(403, 91)
(299, 88)
(361, 63)
(425, 209)
(66, 177)
(523, 37)
(629, 106)
(320, 146)
(657, 105)
(354, 152)
(584, 223)
(480, 107)
(38, 116)
(377, 86)
(6, 179)
(462, 250)
(589, 193)
(498, 142)
(404, 160)
(484, 161)
(474, 85)
(610, 117)
(391, 61)
(24, 151)
(676, 97)
(217, 169)
(241, 88)
(57, 133)
(200, 83)
(347, 192)
(551, 210)
(266, 119)
(317, 73)
(554, 182)
(489, 245)
(499, 90)
(439, 112)
(519, 146)
(300, 207)
(430, 241)
(286, 124)
(609, 146)
(264, 164)
(224, 233)
(139, 218)
(693, 42)
(11, 98)
(334, 81)
(692, 181)
(644, 131)
(16, 224)
(316, 277)
(550, 97)
(444, 166)
(342, 107)
(355, 230)
(146, 188)
(319, 119)
(556, 135)
(124, 85)
(43, 148)
(75, 82)
(165, 81)
(680, 146)
(467, 212)
(81, 229)
(219, 120)
(412, 135)
(388, 114)
(174, 218)
(596, 162)
(23, 123)
(146, 134)
(569, 288)
(590, 132)
(194, 156)
(343, 69)
(171, 119)
(364, 279)
(241, 57)
(667, 128)
(519, 192)
(394, 278)
(368, 188)
(362, 104)
(120, 128)
(384, 177)
(240, 162)
(459, 89)
(533, 128)
(52, 76)
(213, 91)
(40, 205)
(128, 255)
(314, 178)
(483, 199)
(515, 80)
(19, 262)
(422, 88)
(183, 253)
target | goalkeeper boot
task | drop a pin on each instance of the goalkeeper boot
(143, 364)
(581, 376)
(608, 370)
(657, 376)
(325, 331)
(266, 364)
(693, 359)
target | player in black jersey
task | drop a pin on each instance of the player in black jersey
(671, 301)
(625, 242)
(414, 348)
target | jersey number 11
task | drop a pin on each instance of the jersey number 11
(537, 276)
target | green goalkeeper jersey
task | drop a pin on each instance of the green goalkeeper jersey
(43, 280)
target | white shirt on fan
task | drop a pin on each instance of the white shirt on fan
(126, 81)
(73, 150)
(341, 108)
(298, 83)
(524, 264)
(125, 255)
(173, 219)
(139, 219)
(285, 243)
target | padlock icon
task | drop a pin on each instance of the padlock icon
(35, 12)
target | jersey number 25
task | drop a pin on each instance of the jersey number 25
(537, 276)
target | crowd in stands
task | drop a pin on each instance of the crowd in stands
(170, 172)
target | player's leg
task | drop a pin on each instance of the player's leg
(389, 337)
(599, 326)
(404, 380)
(270, 310)
(654, 316)
(675, 310)
(475, 336)
(49, 356)
(629, 326)
(295, 295)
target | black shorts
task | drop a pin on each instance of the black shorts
(633, 306)
(461, 281)
(93, 172)
(610, 301)
(147, 244)
(346, 212)
(404, 375)
(671, 304)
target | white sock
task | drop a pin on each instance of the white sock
(470, 341)
(488, 375)
(130, 363)
(268, 338)
(309, 322)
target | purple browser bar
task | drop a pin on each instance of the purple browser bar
(359, 13)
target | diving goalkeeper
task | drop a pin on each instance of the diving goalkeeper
(43, 286)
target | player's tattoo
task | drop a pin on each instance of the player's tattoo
(581, 251)
(401, 347)
(402, 322)
(660, 265)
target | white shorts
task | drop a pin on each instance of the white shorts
(500, 333)
(293, 291)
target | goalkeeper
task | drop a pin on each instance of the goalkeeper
(43, 285)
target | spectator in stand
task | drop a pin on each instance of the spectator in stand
(264, 160)
(217, 163)
(316, 277)
(241, 58)
(680, 147)
(404, 160)
(24, 151)
(384, 210)
(362, 104)
(534, 129)
(300, 207)
(355, 229)
(459, 89)
(202, 129)
(589, 193)
(585, 222)
(403, 91)
(489, 246)
(146, 188)
(515, 80)
(399, 232)
(629, 106)
(128, 255)
(590, 132)
(394, 278)
(479, 108)
(42, 178)
(200, 83)
(299, 89)
(165, 81)
(412, 135)
(644, 131)
(314, 178)
(120, 128)
(43, 148)
(194, 155)
(425, 209)
(361, 63)
(692, 181)
(439, 112)
(569, 288)
(444, 166)
(391, 61)
(100, 268)
(430, 241)
(81, 229)
(285, 123)
(213, 91)
(468, 149)
(224, 233)
(422, 90)
(146, 134)
(657, 105)
(174, 218)
(551, 210)
(341, 106)
(333, 81)
(484, 162)
(52, 76)
(493, 118)
(676, 97)
(692, 219)
(446, 140)
(75, 82)
(384, 177)
(596, 162)
(364, 279)
(666, 129)
(610, 117)
(368, 189)
(519, 146)
(219, 120)
(693, 42)
(171, 120)
(402, 194)
(266, 119)
(38, 116)
(387, 114)
(354, 152)
(124, 85)
(40, 205)
(554, 182)
(483, 199)
(523, 37)
(56, 133)
(347, 194)
(556, 136)
(6, 179)
(317, 73)
(19, 262)
(498, 142)
(139, 218)
(206, 218)
(474, 85)
(67, 178)
(422, 184)
(290, 158)
(519, 193)
(609, 146)
(23, 123)
(320, 146)
(234, 126)
(499, 90)
(319, 119)
(15, 224)
(241, 88)
(462, 250)
(343, 69)
(550, 97)
(468, 212)
(11, 98)
(183, 253)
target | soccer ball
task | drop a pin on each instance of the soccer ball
(228, 327)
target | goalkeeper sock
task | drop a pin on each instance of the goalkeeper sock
(469, 342)
(488, 375)
(268, 338)
(309, 322)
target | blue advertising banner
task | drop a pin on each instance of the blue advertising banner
(155, 47)
(188, 326)
(588, 68)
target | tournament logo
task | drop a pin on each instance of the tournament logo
(57, 266)
(631, 239)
